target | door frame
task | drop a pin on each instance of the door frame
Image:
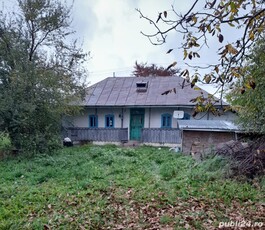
(136, 111)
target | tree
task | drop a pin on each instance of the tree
(203, 22)
(247, 96)
(144, 70)
(40, 73)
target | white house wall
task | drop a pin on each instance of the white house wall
(155, 117)
(81, 120)
(152, 117)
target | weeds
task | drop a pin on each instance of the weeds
(96, 187)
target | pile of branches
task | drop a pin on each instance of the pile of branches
(247, 159)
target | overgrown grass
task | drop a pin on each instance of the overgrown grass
(95, 187)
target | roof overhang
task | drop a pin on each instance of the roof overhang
(210, 130)
(138, 106)
(208, 125)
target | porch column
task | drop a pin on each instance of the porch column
(149, 118)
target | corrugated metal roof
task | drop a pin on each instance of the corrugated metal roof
(122, 91)
(211, 125)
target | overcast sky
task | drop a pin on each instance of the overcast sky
(110, 31)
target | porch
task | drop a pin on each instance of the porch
(97, 134)
(148, 135)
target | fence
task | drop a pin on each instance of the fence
(97, 134)
(148, 135)
(156, 135)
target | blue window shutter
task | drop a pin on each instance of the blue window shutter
(109, 121)
(166, 120)
(93, 121)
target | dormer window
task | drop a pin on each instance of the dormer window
(141, 86)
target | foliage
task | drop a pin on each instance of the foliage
(144, 70)
(93, 187)
(40, 73)
(247, 96)
(211, 20)
(5, 142)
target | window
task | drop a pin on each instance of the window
(93, 121)
(109, 121)
(141, 86)
(166, 120)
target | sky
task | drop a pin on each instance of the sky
(110, 31)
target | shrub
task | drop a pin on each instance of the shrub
(5, 143)
(43, 143)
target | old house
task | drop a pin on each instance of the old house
(121, 109)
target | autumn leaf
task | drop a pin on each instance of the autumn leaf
(189, 19)
(221, 38)
(169, 91)
(185, 54)
(194, 19)
(194, 81)
(252, 84)
(185, 73)
(251, 36)
(242, 90)
(159, 17)
(193, 100)
(46, 227)
(207, 78)
(209, 28)
(166, 92)
(169, 51)
(212, 4)
(171, 65)
(183, 84)
(231, 49)
(216, 69)
(194, 113)
(233, 7)
(247, 85)
(238, 43)
(195, 54)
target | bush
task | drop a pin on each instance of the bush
(39, 143)
(5, 143)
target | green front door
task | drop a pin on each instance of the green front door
(136, 123)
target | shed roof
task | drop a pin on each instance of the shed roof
(122, 91)
(208, 125)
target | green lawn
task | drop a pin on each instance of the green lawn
(93, 187)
